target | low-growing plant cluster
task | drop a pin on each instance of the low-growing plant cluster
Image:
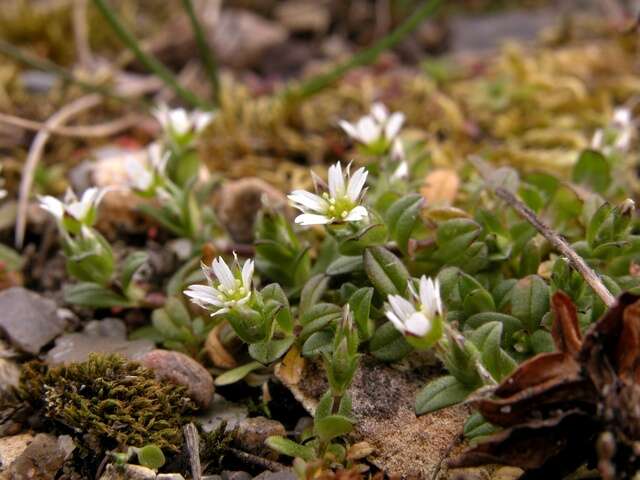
(383, 258)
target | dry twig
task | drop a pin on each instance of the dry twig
(560, 245)
(193, 448)
(87, 131)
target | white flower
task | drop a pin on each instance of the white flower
(617, 135)
(340, 204)
(397, 154)
(225, 288)
(378, 129)
(144, 175)
(416, 318)
(181, 125)
(83, 210)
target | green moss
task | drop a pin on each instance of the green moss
(108, 402)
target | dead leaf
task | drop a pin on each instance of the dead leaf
(292, 366)
(441, 187)
(216, 350)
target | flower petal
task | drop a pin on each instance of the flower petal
(336, 181)
(349, 129)
(368, 130)
(418, 324)
(379, 112)
(307, 219)
(356, 182)
(247, 274)
(356, 214)
(223, 273)
(308, 200)
(394, 125)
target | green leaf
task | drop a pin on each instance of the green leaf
(178, 312)
(455, 236)
(147, 332)
(440, 393)
(236, 374)
(290, 448)
(333, 426)
(162, 322)
(150, 456)
(509, 323)
(130, 266)
(360, 303)
(401, 219)
(11, 258)
(345, 264)
(530, 301)
(270, 351)
(92, 295)
(312, 292)
(318, 317)
(596, 234)
(274, 294)
(487, 339)
(476, 426)
(541, 341)
(324, 407)
(478, 300)
(317, 343)
(388, 344)
(593, 171)
(385, 271)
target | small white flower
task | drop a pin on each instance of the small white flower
(397, 154)
(340, 204)
(83, 210)
(181, 125)
(225, 288)
(416, 318)
(617, 135)
(377, 130)
(144, 175)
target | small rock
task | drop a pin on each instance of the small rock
(253, 432)
(241, 37)
(99, 336)
(220, 411)
(12, 447)
(239, 202)
(227, 475)
(129, 472)
(181, 369)
(37, 81)
(282, 475)
(169, 476)
(212, 477)
(29, 320)
(43, 458)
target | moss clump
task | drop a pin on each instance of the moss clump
(108, 403)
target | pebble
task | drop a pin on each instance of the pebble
(29, 320)
(43, 458)
(12, 447)
(99, 336)
(169, 476)
(221, 410)
(131, 472)
(239, 475)
(181, 369)
(252, 433)
(283, 475)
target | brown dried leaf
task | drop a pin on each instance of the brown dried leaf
(441, 187)
(554, 446)
(216, 350)
(565, 329)
(292, 366)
